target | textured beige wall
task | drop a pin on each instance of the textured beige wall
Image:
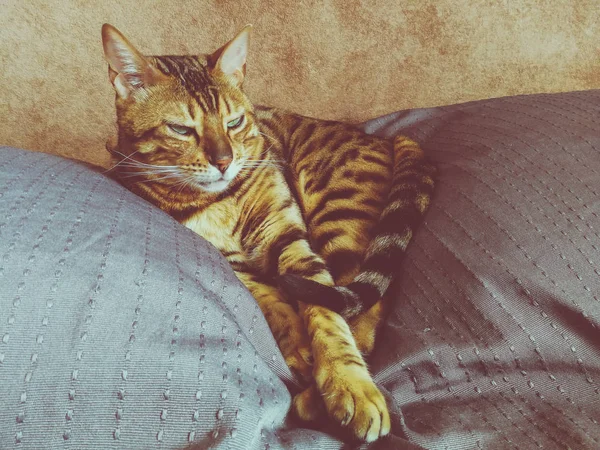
(344, 59)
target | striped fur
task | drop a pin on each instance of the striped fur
(409, 197)
(286, 199)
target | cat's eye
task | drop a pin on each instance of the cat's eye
(180, 129)
(235, 123)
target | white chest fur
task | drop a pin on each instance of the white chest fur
(216, 224)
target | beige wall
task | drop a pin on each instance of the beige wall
(344, 59)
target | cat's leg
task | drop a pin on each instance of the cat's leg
(365, 326)
(285, 324)
(277, 245)
(343, 253)
(340, 372)
(342, 377)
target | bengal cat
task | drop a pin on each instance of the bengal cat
(300, 208)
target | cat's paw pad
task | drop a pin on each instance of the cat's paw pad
(358, 405)
(308, 405)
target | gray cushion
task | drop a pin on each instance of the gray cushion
(493, 341)
(113, 317)
(119, 328)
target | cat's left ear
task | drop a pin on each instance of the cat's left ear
(230, 60)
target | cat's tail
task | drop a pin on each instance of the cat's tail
(409, 198)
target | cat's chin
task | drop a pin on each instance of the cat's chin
(214, 186)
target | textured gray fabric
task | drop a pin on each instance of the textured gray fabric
(119, 328)
(492, 340)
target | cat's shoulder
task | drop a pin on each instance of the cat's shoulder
(268, 114)
(285, 123)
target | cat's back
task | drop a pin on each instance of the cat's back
(289, 132)
(341, 177)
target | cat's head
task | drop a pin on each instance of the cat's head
(183, 120)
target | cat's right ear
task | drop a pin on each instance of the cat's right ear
(129, 71)
(230, 60)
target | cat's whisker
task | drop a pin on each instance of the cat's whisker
(185, 180)
(159, 179)
(257, 167)
(261, 161)
(134, 163)
(266, 160)
(265, 151)
(262, 164)
(153, 169)
(152, 172)
(267, 136)
(180, 185)
(120, 162)
(128, 161)
(147, 171)
(158, 170)
(258, 163)
(188, 182)
(155, 176)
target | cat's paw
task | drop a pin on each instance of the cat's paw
(308, 405)
(355, 402)
(300, 361)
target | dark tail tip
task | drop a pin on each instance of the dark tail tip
(299, 289)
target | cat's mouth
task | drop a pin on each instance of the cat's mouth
(219, 181)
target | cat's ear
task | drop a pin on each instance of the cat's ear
(128, 69)
(230, 60)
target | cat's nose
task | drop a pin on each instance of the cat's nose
(223, 164)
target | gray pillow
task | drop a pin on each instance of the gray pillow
(119, 328)
(493, 340)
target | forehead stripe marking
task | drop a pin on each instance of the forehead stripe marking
(201, 101)
(194, 78)
(190, 110)
(210, 90)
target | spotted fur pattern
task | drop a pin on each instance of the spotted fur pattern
(312, 215)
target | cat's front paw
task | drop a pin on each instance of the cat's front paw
(308, 405)
(299, 360)
(354, 401)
